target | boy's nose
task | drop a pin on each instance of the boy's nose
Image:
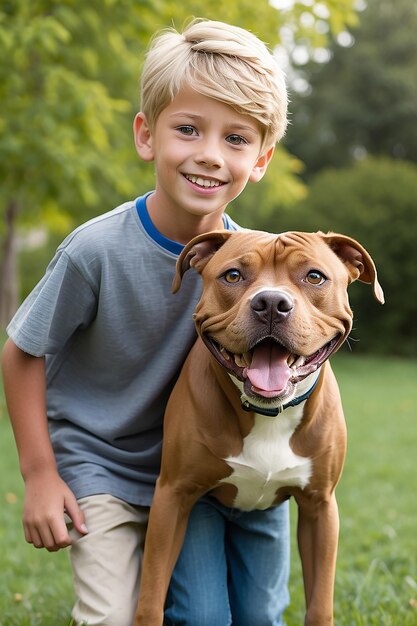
(210, 155)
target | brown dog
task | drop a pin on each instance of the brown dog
(273, 310)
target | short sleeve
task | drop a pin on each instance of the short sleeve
(62, 302)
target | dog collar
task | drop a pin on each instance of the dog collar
(274, 412)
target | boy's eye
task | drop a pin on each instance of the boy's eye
(314, 277)
(236, 140)
(232, 276)
(186, 130)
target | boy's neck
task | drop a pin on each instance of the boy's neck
(182, 228)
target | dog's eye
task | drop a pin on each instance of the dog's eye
(232, 276)
(314, 277)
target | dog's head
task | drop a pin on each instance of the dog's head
(275, 307)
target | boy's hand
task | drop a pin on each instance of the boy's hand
(47, 498)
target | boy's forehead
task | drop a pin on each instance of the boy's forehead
(191, 103)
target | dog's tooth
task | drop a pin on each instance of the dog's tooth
(247, 357)
(224, 353)
(299, 362)
(239, 360)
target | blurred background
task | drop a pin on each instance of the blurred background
(69, 76)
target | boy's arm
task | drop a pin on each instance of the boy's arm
(47, 495)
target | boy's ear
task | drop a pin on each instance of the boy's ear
(261, 165)
(143, 138)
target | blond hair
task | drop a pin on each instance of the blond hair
(220, 61)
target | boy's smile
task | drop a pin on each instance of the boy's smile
(205, 153)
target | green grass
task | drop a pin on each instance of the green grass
(376, 581)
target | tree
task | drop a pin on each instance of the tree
(262, 207)
(372, 201)
(364, 100)
(62, 147)
(69, 94)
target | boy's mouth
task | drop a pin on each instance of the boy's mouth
(202, 181)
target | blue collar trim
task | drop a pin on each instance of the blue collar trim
(159, 238)
(153, 232)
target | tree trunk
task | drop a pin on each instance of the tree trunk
(8, 267)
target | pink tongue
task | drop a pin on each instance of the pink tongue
(269, 370)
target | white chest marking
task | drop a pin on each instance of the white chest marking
(267, 462)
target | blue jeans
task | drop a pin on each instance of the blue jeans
(233, 568)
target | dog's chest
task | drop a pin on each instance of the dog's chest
(267, 462)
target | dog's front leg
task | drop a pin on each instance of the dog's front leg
(318, 531)
(164, 538)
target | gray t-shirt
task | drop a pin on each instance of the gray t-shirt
(114, 337)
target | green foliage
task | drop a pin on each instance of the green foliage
(65, 103)
(69, 94)
(374, 202)
(69, 91)
(311, 22)
(280, 188)
(365, 99)
(364, 102)
(33, 263)
(261, 18)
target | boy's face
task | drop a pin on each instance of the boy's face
(204, 153)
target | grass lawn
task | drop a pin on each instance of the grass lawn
(376, 581)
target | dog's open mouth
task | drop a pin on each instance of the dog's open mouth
(268, 368)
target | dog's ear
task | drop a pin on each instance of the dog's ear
(357, 260)
(198, 252)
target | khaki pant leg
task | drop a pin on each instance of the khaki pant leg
(106, 562)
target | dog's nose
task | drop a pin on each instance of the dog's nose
(272, 305)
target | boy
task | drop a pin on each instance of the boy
(97, 345)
